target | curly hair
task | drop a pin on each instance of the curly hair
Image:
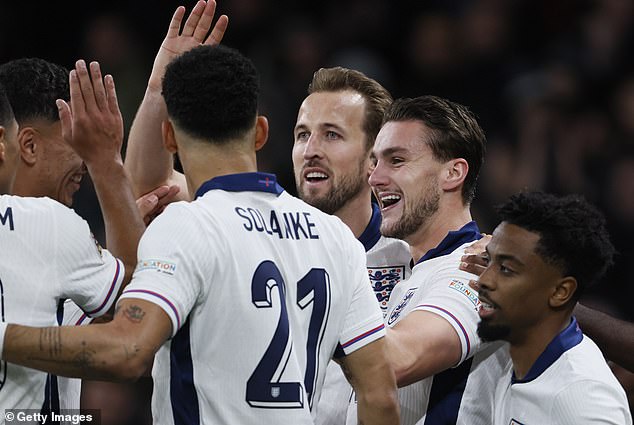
(6, 114)
(32, 85)
(377, 98)
(573, 234)
(212, 93)
(455, 133)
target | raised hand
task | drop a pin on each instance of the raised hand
(194, 33)
(153, 203)
(92, 123)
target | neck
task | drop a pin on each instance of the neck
(202, 162)
(526, 347)
(450, 216)
(357, 212)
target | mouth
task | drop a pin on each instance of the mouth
(314, 176)
(388, 200)
(487, 308)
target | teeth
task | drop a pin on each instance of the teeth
(390, 198)
(316, 175)
(485, 306)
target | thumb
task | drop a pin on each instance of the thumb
(63, 109)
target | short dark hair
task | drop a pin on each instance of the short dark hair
(6, 113)
(32, 85)
(212, 93)
(377, 98)
(455, 133)
(572, 233)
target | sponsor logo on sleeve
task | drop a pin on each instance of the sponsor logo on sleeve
(515, 422)
(401, 306)
(160, 266)
(465, 290)
(99, 249)
(383, 280)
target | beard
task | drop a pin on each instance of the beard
(490, 332)
(414, 215)
(342, 191)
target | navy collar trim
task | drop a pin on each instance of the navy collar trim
(454, 239)
(372, 232)
(242, 182)
(564, 341)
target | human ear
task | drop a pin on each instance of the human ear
(563, 292)
(169, 140)
(28, 144)
(261, 132)
(455, 173)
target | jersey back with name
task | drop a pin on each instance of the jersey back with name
(260, 288)
(48, 255)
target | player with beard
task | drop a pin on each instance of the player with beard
(428, 156)
(544, 254)
(335, 131)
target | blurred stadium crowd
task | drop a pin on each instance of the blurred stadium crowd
(551, 81)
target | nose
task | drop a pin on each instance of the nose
(487, 279)
(378, 176)
(313, 148)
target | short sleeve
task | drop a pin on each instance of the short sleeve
(170, 266)
(88, 274)
(363, 322)
(453, 299)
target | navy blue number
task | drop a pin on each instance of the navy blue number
(314, 288)
(264, 388)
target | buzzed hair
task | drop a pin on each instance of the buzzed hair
(32, 86)
(211, 93)
(377, 98)
(6, 113)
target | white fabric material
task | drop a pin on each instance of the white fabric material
(198, 262)
(48, 254)
(578, 388)
(387, 257)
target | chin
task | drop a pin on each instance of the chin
(490, 332)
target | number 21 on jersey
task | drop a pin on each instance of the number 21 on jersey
(264, 388)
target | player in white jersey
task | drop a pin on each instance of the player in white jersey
(342, 191)
(38, 272)
(544, 254)
(265, 247)
(429, 152)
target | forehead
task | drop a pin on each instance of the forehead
(340, 108)
(512, 240)
(402, 136)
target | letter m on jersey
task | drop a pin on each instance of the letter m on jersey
(7, 217)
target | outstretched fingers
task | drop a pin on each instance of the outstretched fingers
(111, 93)
(97, 85)
(192, 20)
(218, 32)
(175, 23)
(85, 85)
(65, 118)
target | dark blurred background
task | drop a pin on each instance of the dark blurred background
(552, 82)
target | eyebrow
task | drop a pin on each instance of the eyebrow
(504, 257)
(389, 151)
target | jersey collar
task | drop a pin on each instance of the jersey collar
(564, 341)
(372, 232)
(467, 233)
(242, 182)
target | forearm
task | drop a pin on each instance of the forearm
(615, 337)
(77, 351)
(123, 222)
(147, 162)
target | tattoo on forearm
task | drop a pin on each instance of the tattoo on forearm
(134, 313)
(85, 358)
(51, 341)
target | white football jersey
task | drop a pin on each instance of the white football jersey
(437, 285)
(388, 262)
(569, 384)
(48, 254)
(261, 289)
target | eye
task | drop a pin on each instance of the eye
(396, 160)
(302, 136)
(505, 270)
(331, 135)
